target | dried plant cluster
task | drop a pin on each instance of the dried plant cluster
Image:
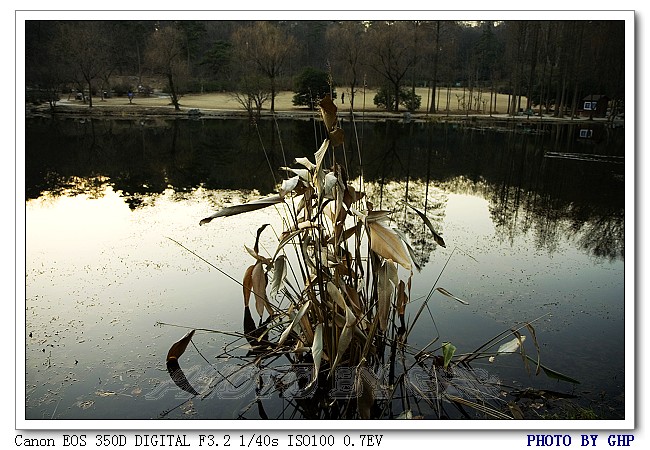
(335, 291)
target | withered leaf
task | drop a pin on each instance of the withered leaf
(511, 346)
(305, 162)
(257, 256)
(279, 274)
(317, 351)
(387, 244)
(248, 285)
(178, 347)
(259, 289)
(330, 182)
(337, 137)
(178, 377)
(351, 195)
(303, 174)
(384, 294)
(409, 248)
(378, 215)
(402, 298)
(425, 219)
(365, 385)
(288, 185)
(295, 322)
(346, 336)
(175, 352)
(257, 239)
(328, 111)
(246, 207)
(335, 295)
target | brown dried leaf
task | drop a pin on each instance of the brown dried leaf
(387, 244)
(279, 274)
(516, 411)
(257, 238)
(346, 335)
(293, 326)
(246, 207)
(534, 335)
(335, 295)
(319, 173)
(248, 284)
(320, 155)
(351, 196)
(337, 137)
(317, 351)
(178, 347)
(257, 256)
(402, 298)
(353, 295)
(378, 215)
(409, 248)
(259, 289)
(307, 329)
(384, 294)
(365, 388)
(344, 235)
(328, 111)
(330, 182)
(285, 238)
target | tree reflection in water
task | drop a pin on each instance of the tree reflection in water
(551, 200)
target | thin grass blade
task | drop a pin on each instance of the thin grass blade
(446, 293)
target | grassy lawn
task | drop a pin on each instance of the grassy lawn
(283, 101)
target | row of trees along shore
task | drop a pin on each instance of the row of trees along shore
(549, 63)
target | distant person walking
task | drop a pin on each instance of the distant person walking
(343, 98)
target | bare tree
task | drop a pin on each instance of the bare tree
(253, 92)
(392, 55)
(84, 46)
(346, 41)
(267, 47)
(166, 56)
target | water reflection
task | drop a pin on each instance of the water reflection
(101, 194)
(506, 166)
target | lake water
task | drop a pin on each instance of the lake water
(534, 225)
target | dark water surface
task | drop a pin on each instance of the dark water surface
(534, 216)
